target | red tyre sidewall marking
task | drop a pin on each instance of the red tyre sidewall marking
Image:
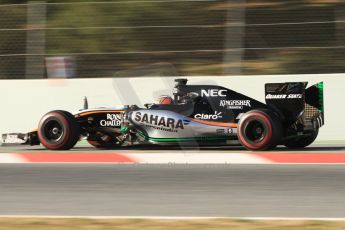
(266, 138)
(66, 126)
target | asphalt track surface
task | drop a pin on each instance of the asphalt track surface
(302, 191)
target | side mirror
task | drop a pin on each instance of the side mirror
(148, 105)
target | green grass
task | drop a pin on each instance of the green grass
(129, 224)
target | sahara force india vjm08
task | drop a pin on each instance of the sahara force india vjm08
(208, 115)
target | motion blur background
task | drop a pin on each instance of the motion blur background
(171, 37)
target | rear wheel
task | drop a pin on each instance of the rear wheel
(302, 141)
(259, 130)
(58, 130)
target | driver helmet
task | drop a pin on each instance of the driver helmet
(165, 100)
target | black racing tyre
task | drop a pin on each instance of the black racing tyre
(103, 142)
(303, 141)
(58, 130)
(259, 130)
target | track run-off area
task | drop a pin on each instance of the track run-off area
(232, 187)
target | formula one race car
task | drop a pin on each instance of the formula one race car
(202, 114)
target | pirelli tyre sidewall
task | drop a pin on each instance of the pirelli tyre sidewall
(58, 130)
(259, 130)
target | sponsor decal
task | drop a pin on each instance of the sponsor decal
(225, 131)
(213, 93)
(220, 131)
(159, 122)
(214, 116)
(284, 96)
(235, 104)
(112, 120)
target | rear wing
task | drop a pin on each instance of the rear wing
(296, 103)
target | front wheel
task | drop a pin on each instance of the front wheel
(259, 130)
(302, 141)
(58, 130)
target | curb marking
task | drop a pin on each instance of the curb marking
(175, 158)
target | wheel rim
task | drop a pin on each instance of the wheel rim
(255, 131)
(53, 131)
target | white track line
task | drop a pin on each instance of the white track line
(10, 158)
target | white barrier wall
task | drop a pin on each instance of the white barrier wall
(23, 102)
